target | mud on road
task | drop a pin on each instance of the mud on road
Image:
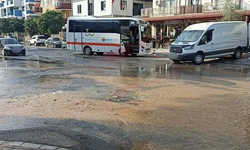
(127, 103)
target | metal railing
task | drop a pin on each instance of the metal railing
(204, 8)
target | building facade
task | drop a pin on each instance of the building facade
(20, 8)
(109, 8)
(181, 13)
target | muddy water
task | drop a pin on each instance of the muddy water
(133, 103)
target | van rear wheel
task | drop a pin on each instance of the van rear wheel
(198, 59)
(237, 54)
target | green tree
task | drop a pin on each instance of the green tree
(30, 26)
(16, 25)
(229, 12)
(51, 22)
(5, 26)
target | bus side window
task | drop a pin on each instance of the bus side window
(71, 25)
(105, 26)
(90, 26)
(116, 27)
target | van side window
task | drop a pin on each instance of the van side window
(206, 37)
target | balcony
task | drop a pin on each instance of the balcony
(37, 9)
(190, 9)
(63, 5)
(10, 13)
(163, 11)
(18, 13)
(31, 1)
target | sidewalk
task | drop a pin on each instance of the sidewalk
(12, 145)
(160, 50)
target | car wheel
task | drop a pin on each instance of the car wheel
(35, 44)
(30, 44)
(198, 59)
(23, 53)
(88, 50)
(134, 55)
(237, 54)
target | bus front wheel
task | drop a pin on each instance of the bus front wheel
(88, 51)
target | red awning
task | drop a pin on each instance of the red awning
(194, 16)
(37, 4)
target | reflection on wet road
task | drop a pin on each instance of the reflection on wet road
(124, 103)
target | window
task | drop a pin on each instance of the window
(89, 26)
(52, 2)
(90, 12)
(78, 26)
(105, 26)
(45, 3)
(103, 5)
(189, 36)
(124, 22)
(71, 25)
(207, 37)
(79, 9)
(123, 4)
(116, 27)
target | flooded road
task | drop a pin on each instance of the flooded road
(58, 97)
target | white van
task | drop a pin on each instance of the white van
(210, 40)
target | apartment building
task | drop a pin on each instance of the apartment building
(63, 6)
(181, 13)
(20, 8)
(109, 8)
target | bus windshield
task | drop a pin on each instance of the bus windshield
(146, 34)
(189, 36)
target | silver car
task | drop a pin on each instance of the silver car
(53, 42)
(10, 46)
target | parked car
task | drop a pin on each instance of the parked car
(64, 43)
(11, 46)
(53, 42)
(37, 40)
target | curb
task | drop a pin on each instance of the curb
(14, 145)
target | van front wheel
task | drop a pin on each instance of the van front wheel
(198, 59)
(237, 54)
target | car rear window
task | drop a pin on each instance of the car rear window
(41, 37)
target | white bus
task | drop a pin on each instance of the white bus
(122, 36)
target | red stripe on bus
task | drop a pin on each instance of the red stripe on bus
(95, 44)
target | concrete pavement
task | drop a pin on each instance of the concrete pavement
(13, 145)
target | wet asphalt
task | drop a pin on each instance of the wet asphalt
(46, 70)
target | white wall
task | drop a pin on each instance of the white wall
(99, 12)
(127, 12)
(111, 8)
(18, 2)
(84, 4)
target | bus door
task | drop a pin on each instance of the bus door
(135, 33)
(78, 38)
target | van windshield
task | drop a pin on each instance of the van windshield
(189, 36)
